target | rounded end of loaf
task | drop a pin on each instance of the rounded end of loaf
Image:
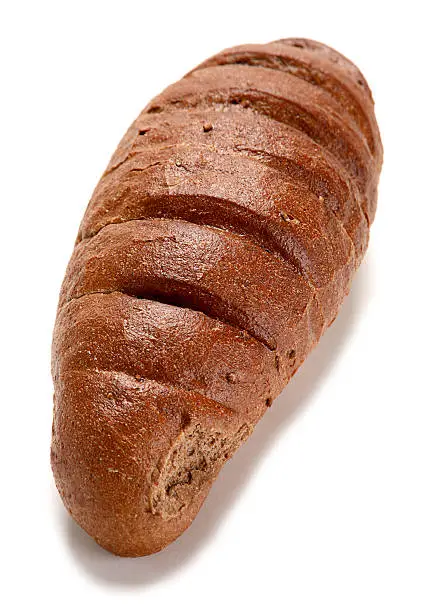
(134, 460)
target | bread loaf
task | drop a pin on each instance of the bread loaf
(215, 250)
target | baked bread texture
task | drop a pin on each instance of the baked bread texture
(217, 247)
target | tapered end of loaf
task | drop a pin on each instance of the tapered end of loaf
(134, 460)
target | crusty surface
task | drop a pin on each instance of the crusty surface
(214, 252)
(236, 143)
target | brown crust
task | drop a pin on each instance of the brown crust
(331, 72)
(217, 247)
(186, 265)
(288, 99)
(234, 140)
(165, 343)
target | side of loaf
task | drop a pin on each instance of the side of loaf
(217, 247)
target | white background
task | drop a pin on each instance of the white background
(326, 507)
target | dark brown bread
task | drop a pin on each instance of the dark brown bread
(215, 250)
